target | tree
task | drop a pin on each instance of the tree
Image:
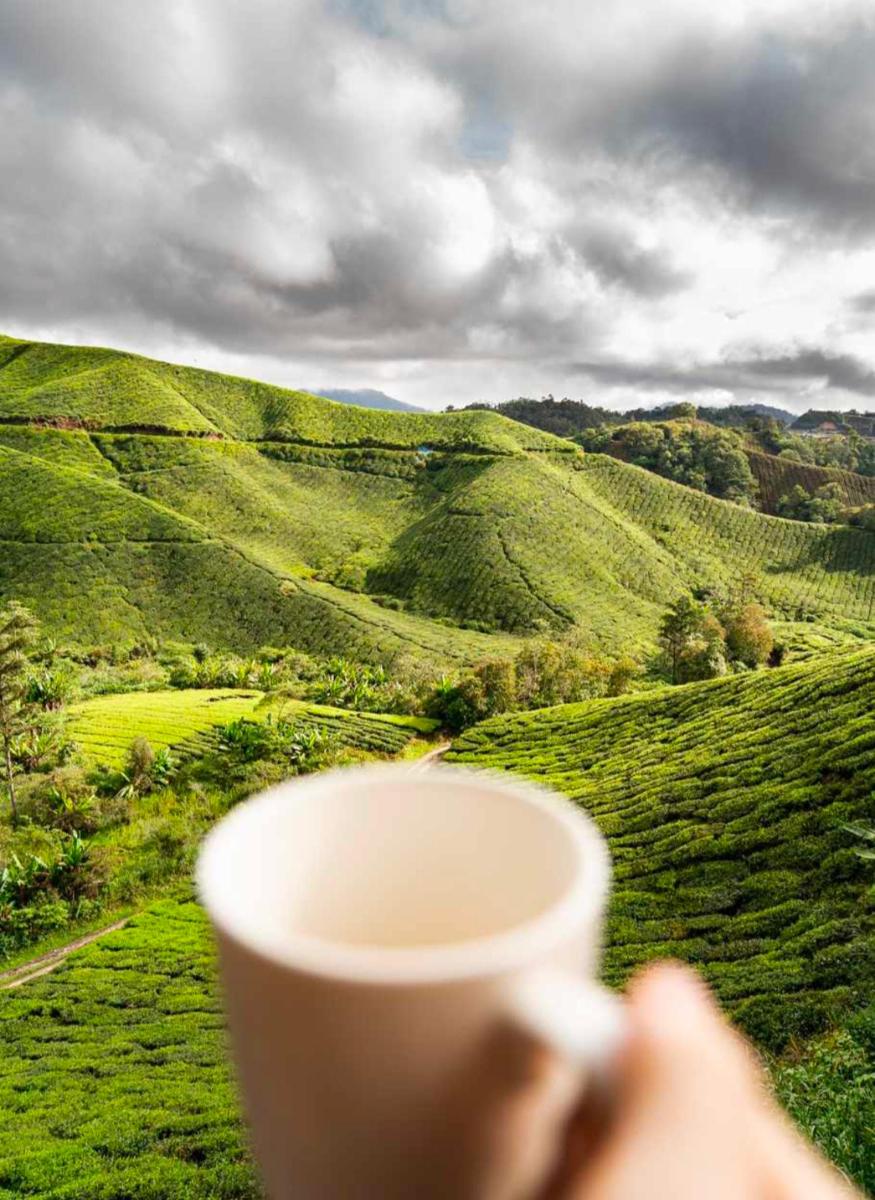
(677, 630)
(822, 507)
(18, 633)
(749, 638)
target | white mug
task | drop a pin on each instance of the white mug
(408, 964)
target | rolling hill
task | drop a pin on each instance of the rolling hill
(725, 805)
(140, 497)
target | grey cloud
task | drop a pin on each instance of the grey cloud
(302, 180)
(863, 302)
(770, 373)
(613, 254)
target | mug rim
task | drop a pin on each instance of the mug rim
(506, 951)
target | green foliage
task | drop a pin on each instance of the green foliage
(18, 634)
(828, 1091)
(846, 452)
(692, 641)
(821, 508)
(543, 673)
(688, 451)
(866, 834)
(749, 637)
(37, 896)
(724, 804)
(301, 746)
(563, 417)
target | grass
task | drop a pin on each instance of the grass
(184, 720)
(777, 476)
(724, 805)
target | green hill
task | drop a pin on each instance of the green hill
(94, 388)
(141, 497)
(724, 804)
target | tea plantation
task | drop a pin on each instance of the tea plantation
(139, 498)
(184, 721)
(114, 1080)
(776, 477)
(725, 804)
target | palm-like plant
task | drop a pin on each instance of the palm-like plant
(866, 834)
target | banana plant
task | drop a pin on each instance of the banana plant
(865, 833)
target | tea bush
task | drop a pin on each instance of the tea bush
(726, 804)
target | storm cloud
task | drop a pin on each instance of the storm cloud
(450, 200)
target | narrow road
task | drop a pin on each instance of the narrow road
(47, 962)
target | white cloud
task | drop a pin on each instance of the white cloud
(453, 200)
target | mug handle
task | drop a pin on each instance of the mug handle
(582, 1020)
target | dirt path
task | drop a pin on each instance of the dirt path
(53, 958)
(47, 962)
(431, 759)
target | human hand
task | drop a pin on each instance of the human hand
(692, 1118)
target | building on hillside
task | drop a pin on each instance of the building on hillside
(834, 424)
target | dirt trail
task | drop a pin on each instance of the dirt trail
(431, 759)
(53, 958)
(47, 962)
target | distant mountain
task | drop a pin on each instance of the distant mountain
(366, 398)
(566, 418)
(727, 415)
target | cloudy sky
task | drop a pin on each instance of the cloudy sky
(451, 200)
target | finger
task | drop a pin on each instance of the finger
(686, 1088)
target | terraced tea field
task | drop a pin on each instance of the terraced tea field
(114, 1079)
(104, 727)
(724, 804)
(107, 389)
(776, 477)
(241, 515)
(812, 569)
(184, 721)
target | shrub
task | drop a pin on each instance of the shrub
(749, 638)
(62, 799)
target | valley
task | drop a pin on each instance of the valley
(234, 584)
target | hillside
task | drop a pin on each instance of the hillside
(776, 476)
(143, 498)
(184, 720)
(100, 389)
(724, 805)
